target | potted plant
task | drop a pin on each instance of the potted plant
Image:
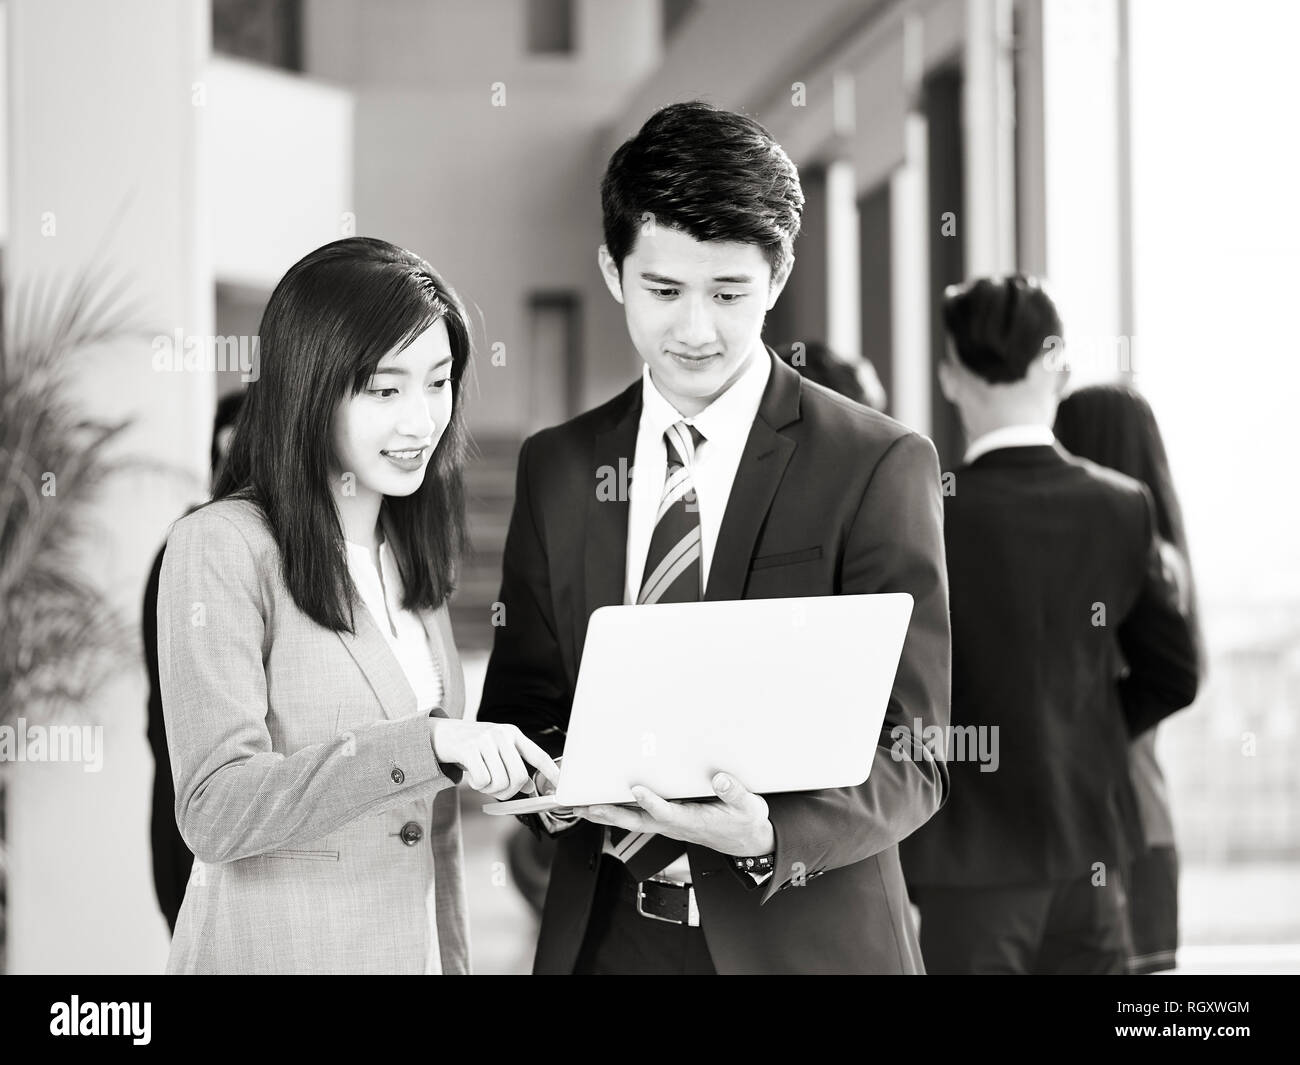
(59, 637)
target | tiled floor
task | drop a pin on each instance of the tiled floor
(502, 928)
(1241, 918)
(1235, 919)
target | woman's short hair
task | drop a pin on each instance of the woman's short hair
(330, 320)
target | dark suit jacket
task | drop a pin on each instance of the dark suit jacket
(1068, 638)
(829, 498)
(172, 860)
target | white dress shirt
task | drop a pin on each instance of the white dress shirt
(725, 425)
(1009, 436)
(381, 593)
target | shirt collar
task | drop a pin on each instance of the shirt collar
(729, 417)
(359, 553)
(1009, 436)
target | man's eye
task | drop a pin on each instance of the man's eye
(664, 293)
(730, 297)
(382, 393)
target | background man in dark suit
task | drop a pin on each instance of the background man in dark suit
(748, 483)
(1067, 639)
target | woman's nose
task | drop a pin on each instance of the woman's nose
(416, 418)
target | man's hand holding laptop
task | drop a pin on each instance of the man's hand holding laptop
(738, 824)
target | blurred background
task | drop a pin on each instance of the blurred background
(1132, 153)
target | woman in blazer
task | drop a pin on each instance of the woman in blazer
(311, 687)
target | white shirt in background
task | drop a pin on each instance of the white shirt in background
(1009, 436)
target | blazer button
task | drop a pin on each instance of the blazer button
(411, 833)
(397, 776)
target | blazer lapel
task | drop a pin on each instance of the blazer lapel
(762, 465)
(370, 650)
(437, 623)
(605, 530)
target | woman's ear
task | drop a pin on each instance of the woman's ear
(609, 270)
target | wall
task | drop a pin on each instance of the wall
(483, 159)
(104, 139)
(279, 150)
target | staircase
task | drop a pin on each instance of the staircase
(489, 496)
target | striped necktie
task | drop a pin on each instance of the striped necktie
(673, 574)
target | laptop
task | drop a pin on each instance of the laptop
(784, 694)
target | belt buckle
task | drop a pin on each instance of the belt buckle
(692, 908)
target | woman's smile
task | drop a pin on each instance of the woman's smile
(409, 459)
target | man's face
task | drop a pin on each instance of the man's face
(694, 310)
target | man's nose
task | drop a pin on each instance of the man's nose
(695, 328)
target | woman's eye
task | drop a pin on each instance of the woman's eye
(439, 385)
(382, 393)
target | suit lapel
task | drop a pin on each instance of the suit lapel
(762, 465)
(370, 650)
(372, 654)
(437, 623)
(605, 530)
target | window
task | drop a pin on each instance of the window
(264, 31)
(555, 357)
(550, 27)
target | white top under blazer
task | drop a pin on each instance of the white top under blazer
(381, 591)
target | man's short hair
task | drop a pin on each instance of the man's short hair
(713, 174)
(228, 408)
(1000, 325)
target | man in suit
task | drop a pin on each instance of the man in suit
(748, 483)
(1067, 640)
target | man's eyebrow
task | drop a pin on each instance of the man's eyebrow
(727, 279)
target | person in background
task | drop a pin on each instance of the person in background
(818, 363)
(172, 860)
(1114, 426)
(1067, 640)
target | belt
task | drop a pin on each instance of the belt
(662, 900)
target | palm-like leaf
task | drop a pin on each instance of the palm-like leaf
(59, 638)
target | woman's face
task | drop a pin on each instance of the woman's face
(385, 435)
